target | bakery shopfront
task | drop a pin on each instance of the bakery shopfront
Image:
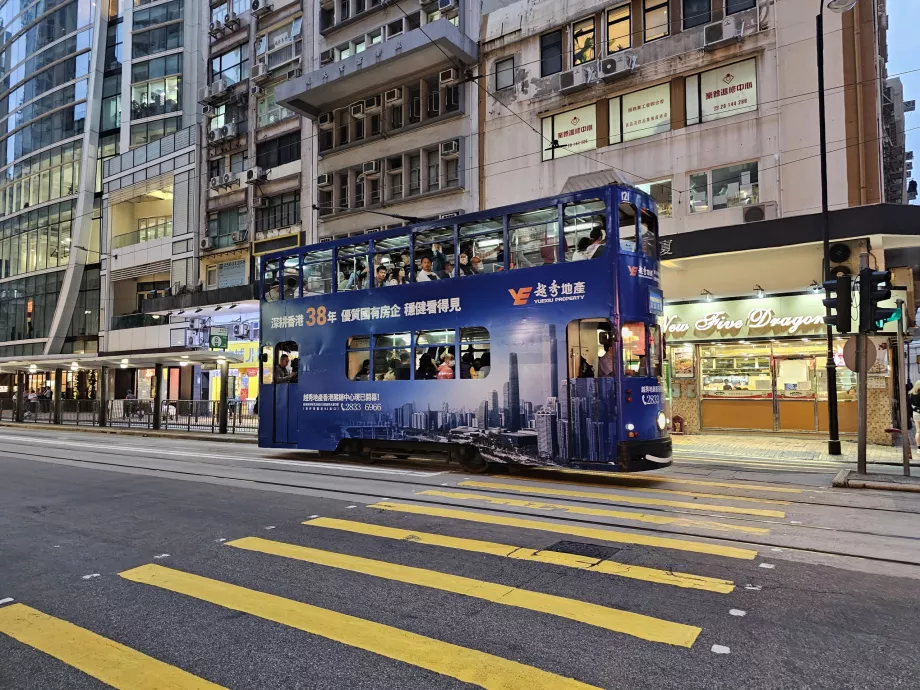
(759, 364)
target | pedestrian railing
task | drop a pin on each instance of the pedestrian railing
(132, 414)
(190, 415)
(242, 417)
(80, 412)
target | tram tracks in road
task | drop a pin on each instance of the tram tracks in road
(502, 507)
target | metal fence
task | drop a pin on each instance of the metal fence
(176, 415)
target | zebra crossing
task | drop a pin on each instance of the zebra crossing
(412, 558)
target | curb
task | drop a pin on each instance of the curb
(849, 479)
(147, 433)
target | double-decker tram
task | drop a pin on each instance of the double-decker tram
(525, 334)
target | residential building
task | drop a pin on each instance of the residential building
(897, 166)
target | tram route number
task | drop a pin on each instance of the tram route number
(357, 407)
(316, 316)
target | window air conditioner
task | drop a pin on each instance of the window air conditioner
(617, 66)
(447, 77)
(191, 339)
(207, 110)
(449, 7)
(206, 243)
(450, 149)
(717, 34)
(231, 21)
(759, 212)
(259, 8)
(357, 109)
(215, 29)
(256, 175)
(326, 121)
(324, 181)
(574, 80)
(215, 182)
(229, 130)
(259, 202)
(256, 91)
(451, 214)
(204, 94)
(326, 57)
(372, 104)
(218, 86)
(241, 330)
(371, 169)
(228, 179)
(393, 97)
(260, 73)
(238, 237)
(293, 73)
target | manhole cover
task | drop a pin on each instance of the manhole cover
(579, 548)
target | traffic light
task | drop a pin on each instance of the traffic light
(874, 287)
(841, 303)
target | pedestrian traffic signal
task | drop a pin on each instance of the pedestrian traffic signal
(874, 287)
(840, 304)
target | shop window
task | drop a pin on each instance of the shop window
(392, 357)
(618, 29)
(504, 74)
(287, 363)
(636, 349)
(590, 349)
(435, 358)
(483, 244)
(696, 12)
(317, 273)
(475, 353)
(736, 185)
(534, 237)
(656, 19)
(583, 43)
(550, 53)
(699, 193)
(627, 225)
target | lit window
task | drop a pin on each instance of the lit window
(618, 29)
(583, 46)
(656, 19)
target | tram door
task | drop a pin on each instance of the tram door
(589, 405)
(285, 377)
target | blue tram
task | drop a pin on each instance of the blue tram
(525, 334)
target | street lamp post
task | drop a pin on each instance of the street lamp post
(839, 6)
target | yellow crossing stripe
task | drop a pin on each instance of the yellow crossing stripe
(672, 492)
(634, 624)
(635, 572)
(597, 512)
(573, 530)
(643, 478)
(97, 656)
(467, 665)
(760, 512)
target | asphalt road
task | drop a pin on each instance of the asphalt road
(140, 563)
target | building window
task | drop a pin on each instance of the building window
(111, 113)
(618, 29)
(696, 12)
(661, 193)
(415, 164)
(735, 185)
(232, 66)
(270, 112)
(239, 162)
(732, 6)
(721, 92)
(113, 47)
(156, 40)
(434, 170)
(550, 53)
(156, 68)
(640, 113)
(151, 131)
(161, 14)
(656, 19)
(157, 97)
(280, 46)
(452, 172)
(583, 45)
(284, 149)
(283, 211)
(222, 225)
(699, 192)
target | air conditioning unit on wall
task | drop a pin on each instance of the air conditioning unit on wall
(718, 34)
(758, 212)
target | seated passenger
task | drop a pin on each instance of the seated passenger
(290, 287)
(446, 370)
(426, 369)
(605, 363)
(402, 370)
(392, 370)
(466, 366)
(364, 372)
(426, 273)
(283, 369)
(447, 271)
(398, 276)
(597, 244)
(274, 293)
(465, 268)
(580, 253)
(380, 277)
(485, 366)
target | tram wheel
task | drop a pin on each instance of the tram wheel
(472, 461)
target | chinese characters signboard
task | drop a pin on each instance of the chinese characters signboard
(641, 114)
(573, 131)
(729, 90)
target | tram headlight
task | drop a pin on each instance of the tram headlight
(630, 427)
(662, 421)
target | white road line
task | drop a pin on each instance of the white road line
(162, 555)
(91, 576)
(8, 600)
(754, 588)
(769, 566)
(737, 612)
(720, 649)
(187, 454)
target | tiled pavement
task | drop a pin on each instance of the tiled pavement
(778, 448)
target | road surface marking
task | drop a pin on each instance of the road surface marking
(754, 588)
(162, 555)
(720, 649)
(8, 600)
(91, 576)
(615, 620)
(769, 566)
(573, 530)
(188, 454)
(97, 656)
(672, 492)
(467, 665)
(737, 612)
(673, 480)
(623, 499)
(779, 463)
(635, 572)
(597, 512)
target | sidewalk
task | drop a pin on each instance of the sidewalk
(122, 431)
(779, 448)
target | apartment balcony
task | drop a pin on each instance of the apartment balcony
(194, 299)
(415, 51)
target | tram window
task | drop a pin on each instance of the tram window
(483, 245)
(392, 254)
(585, 237)
(434, 355)
(287, 362)
(392, 357)
(538, 243)
(267, 364)
(649, 235)
(317, 273)
(352, 268)
(635, 349)
(584, 207)
(270, 281)
(358, 358)
(654, 351)
(627, 227)
(291, 277)
(438, 247)
(474, 353)
(590, 349)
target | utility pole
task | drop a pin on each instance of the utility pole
(902, 393)
(862, 366)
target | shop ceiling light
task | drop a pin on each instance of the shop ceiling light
(841, 5)
(758, 291)
(183, 363)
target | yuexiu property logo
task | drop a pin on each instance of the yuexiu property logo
(543, 294)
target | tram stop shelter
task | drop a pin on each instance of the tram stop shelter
(15, 371)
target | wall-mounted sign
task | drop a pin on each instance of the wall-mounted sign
(640, 114)
(218, 337)
(231, 273)
(573, 131)
(655, 301)
(728, 90)
(794, 316)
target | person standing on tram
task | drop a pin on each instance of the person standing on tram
(425, 273)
